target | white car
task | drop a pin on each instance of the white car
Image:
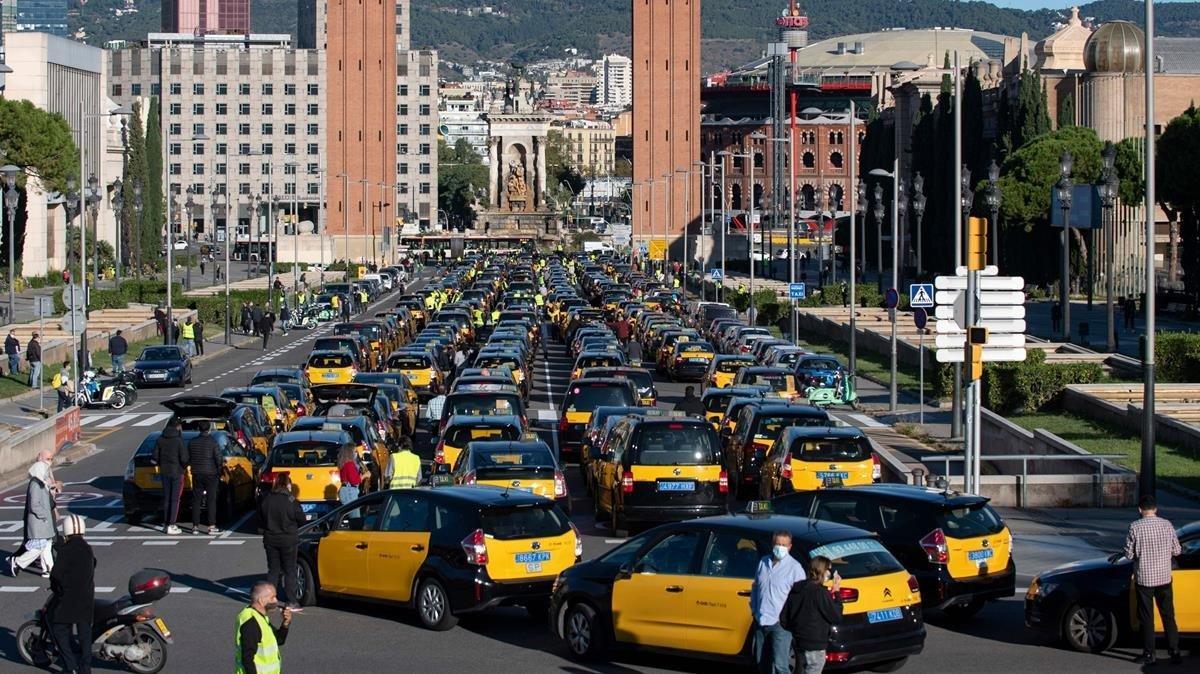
(179, 245)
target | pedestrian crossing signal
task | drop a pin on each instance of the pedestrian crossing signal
(977, 231)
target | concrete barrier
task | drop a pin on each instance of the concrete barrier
(19, 449)
(1088, 401)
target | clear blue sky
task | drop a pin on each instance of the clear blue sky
(1038, 4)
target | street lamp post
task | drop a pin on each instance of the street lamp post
(137, 218)
(879, 212)
(118, 204)
(185, 222)
(1065, 163)
(215, 201)
(918, 213)
(993, 198)
(11, 198)
(93, 202)
(1108, 187)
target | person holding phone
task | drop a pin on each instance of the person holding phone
(257, 640)
(810, 613)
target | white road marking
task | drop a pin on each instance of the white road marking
(105, 526)
(94, 543)
(19, 588)
(84, 421)
(160, 542)
(180, 589)
(866, 421)
(233, 542)
(105, 588)
(236, 525)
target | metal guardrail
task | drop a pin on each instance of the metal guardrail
(947, 459)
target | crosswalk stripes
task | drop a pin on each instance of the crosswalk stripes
(154, 419)
(140, 419)
(119, 420)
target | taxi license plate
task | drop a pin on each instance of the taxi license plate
(162, 628)
(532, 557)
(329, 375)
(830, 475)
(156, 375)
(677, 486)
(697, 360)
(885, 615)
(980, 555)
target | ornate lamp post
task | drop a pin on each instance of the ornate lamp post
(993, 199)
(879, 211)
(918, 211)
(1108, 187)
(11, 198)
(118, 202)
(1064, 187)
(185, 223)
(93, 197)
(900, 260)
(215, 193)
(137, 219)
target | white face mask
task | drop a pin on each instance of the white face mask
(779, 552)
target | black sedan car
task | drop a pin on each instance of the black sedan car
(167, 365)
(1090, 605)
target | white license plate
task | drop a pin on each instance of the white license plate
(533, 567)
(329, 375)
(156, 376)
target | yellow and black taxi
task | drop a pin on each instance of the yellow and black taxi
(275, 404)
(690, 360)
(242, 421)
(804, 458)
(445, 552)
(590, 359)
(642, 380)
(685, 589)
(757, 428)
(372, 330)
(519, 366)
(657, 469)
(142, 490)
(780, 381)
(486, 400)
(355, 345)
(1091, 604)
(724, 367)
(407, 398)
(309, 458)
(420, 368)
(369, 444)
(298, 397)
(463, 429)
(339, 400)
(331, 367)
(527, 466)
(716, 401)
(956, 545)
(583, 397)
(280, 375)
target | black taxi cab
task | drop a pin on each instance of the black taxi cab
(956, 545)
(690, 360)
(756, 430)
(716, 400)
(723, 368)
(462, 429)
(245, 426)
(660, 469)
(446, 552)
(421, 370)
(684, 588)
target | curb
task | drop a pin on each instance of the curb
(71, 454)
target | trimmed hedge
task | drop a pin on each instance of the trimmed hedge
(1177, 357)
(1027, 386)
(212, 308)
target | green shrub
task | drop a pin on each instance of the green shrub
(1177, 356)
(36, 282)
(212, 308)
(1033, 384)
(100, 298)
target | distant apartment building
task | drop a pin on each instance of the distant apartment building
(202, 17)
(614, 86)
(590, 147)
(460, 114)
(36, 16)
(572, 88)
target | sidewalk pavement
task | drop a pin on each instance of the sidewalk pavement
(1037, 319)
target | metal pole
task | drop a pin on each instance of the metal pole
(956, 397)
(296, 237)
(230, 222)
(1110, 339)
(272, 216)
(750, 227)
(687, 218)
(724, 226)
(76, 349)
(1064, 290)
(1147, 478)
(169, 333)
(346, 220)
(853, 240)
(971, 448)
(12, 218)
(322, 214)
(921, 376)
(792, 224)
(892, 393)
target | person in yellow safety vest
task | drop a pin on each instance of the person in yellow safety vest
(477, 317)
(429, 302)
(187, 333)
(362, 297)
(539, 300)
(675, 282)
(256, 640)
(495, 316)
(404, 470)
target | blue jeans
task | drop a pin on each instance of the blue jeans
(118, 363)
(772, 649)
(347, 494)
(35, 374)
(14, 364)
(814, 662)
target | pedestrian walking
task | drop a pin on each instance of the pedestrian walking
(350, 476)
(280, 517)
(171, 457)
(345, 309)
(285, 318)
(12, 349)
(199, 336)
(1055, 317)
(160, 319)
(33, 356)
(40, 528)
(256, 316)
(202, 260)
(245, 317)
(188, 337)
(257, 641)
(1130, 313)
(1152, 544)
(773, 580)
(633, 353)
(266, 323)
(810, 613)
(73, 584)
(204, 458)
(117, 348)
(64, 385)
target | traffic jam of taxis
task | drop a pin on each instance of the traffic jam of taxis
(693, 500)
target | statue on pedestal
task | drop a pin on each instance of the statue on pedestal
(518, 189)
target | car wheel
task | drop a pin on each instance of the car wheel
(306, 583)
(964, 611)
(888, 666)
(584, 633)
(433, 606)
(1089, 629)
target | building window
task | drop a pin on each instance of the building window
(175, 109)
(222, 89)
(174, 148)
(289, 90)
(116, 90)
(289, 148)
(313, 149)
(176, 169)
(289, 169)
(175, 89)
(243, 188)
(243, 148)
(423, 90)
(808, 160)
(243, 89)
(155, 88)
(425, 148)
(289, 129)
(424, 188)
(135, 89)
(222, 148)
(222, 128)
(222, 109)
(197, 148)
(423, 110)
(312, 167)
(197, 88)
(268, 129)
(314, 90)
(268, 89)
(402, 148)
(759, 161)
(244, 109)
(314, 188)
(313, 129)
(423, 129)
(314, 109)
(268, 148)
(289, 108)
(220, 169)
(402, 90)
(268, 109)
(404, 169)
(197, 108)
(402, 110)
(243, 169)
(244, 129)
(401, 129)
(289, 188)
(265, 189)
(197, 169)
(197, 129)
(265, 168)
(835, 159)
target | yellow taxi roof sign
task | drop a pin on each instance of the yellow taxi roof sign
(759, 508)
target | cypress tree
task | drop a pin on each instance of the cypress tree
(152, 192)
(1066, 112)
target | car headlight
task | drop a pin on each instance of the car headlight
(130, 472)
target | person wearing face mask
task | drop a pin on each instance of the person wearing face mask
(773, 581)
(40, 525)
(257, 640)
(810, 613)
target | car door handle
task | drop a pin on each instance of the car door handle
(360, 546)
(674, 588)
(743, 593)
(417, 548)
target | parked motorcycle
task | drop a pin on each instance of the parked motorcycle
(114, 393)
(124, 631)
(310, 315)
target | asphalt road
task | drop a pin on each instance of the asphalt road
(211, 575)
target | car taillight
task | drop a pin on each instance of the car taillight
(837, 656)
(578, 540)
(469, 478)
(627, 482)
(934, 545)
(846, 595)
(562, 424)
(913, 585)
(270, 476)
(678, 359)
(439, 453)
(379, 426)
(241, 438)
(876, 469)
(723, 483)
(560, 484)
(301, 410)
(475, 547)
(785, 471)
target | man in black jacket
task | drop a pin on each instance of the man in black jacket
(171, 457)
(33, 355)
(281, 516)
(12, 349)
(690, 405)
(256, 317)
(810, 612)
(204, 458)
(117, 348)
(73, 582)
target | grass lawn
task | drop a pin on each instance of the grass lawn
(1177, 465)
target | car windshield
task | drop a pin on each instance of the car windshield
(598, 361)
(483, 405)
(777, 381)
(858, 558)
(513, 458)
(675, 445)
(972, 521)
(537, 521)
(770, 427)
(325, 360)
(732, 366)
(821, 364)
(294, 454)
(409, 362)
(587, 398)
(160, 353)
(332, 344)
(716, 403)
(695, 347)
(832, 449)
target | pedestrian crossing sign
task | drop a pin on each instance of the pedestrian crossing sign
(920, 295)
(715, 275)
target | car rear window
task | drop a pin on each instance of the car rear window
(732, 366)
(642, 379)
(409, 362)
(300, 454)
(497, 361)
(484, 405)
(533, 521)
(858, 558)
(160, 354)
(832, 449)
(777, 381)
(511, 463)
(599, 361)
(971, 521)
(770, 427)
(588, 398)
(330, 360)
(675, 445)
(459, 436)
(820, 364)
(696, 347)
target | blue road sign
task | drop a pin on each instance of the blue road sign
(920, 317)
(892, 297)
(797, 291)
(920, 295)
(715, 275)
(643, 248)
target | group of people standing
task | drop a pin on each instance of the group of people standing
(257, 322)
(33, 356)
(202, 455)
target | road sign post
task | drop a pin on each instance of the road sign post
(44, 307)
(921, 318)
(893, 300)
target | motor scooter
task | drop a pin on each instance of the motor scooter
(115, 393)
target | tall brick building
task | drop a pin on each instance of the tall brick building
(666, 113)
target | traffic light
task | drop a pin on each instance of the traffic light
(977, 231)
(973, 351)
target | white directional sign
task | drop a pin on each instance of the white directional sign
(951, 328)
(985, 313)
(985, 283)
(990, 355)
(999, 307)
(956, 341)
(986, 297)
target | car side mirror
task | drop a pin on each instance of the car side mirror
(625, 572)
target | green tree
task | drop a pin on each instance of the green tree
(1066, 111)
(39, 142)
(1031, 117)
(1178, 175)
(153, 212)
(461, 174)
(1129, 162)
(134, 223)
(563, 180)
